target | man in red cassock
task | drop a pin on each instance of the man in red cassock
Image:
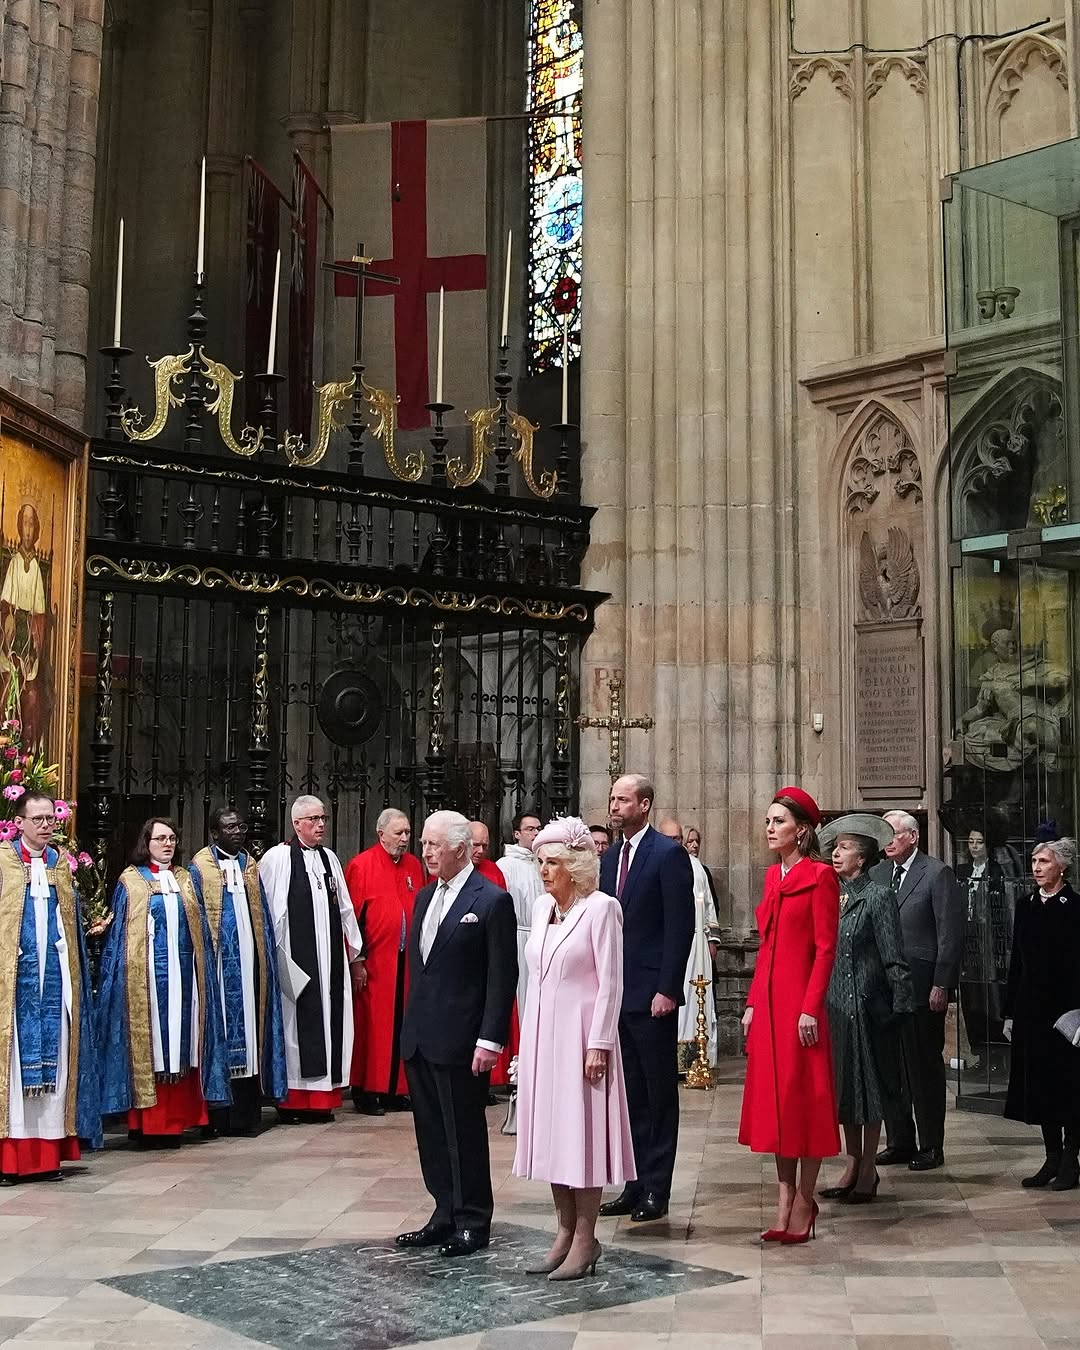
(481, 854)
(383, 882)
(482, 861)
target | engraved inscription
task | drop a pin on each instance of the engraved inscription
(890, 729)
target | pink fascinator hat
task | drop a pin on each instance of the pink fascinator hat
(569, 831)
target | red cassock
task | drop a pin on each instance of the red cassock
(383, 893)
(500, 1074)
(789, 1100)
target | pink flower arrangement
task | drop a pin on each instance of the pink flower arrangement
(11, 752)
(71, 862)
(15, 775)
(63, 811)
(7, 831)
(85, 860)
(13, 792)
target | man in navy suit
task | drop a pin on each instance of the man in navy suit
(650, 876)
(462, 981)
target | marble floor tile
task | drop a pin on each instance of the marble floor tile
(950, 1260)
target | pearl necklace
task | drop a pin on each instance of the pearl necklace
(562, 914)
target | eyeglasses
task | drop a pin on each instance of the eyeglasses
(41, 820)
(238, 828)
(315, 820)
(163, 838)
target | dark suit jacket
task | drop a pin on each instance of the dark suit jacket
(932, 920)
(658, 918)
(466, 990)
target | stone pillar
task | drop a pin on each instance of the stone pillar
(686, 417)
(51, 52)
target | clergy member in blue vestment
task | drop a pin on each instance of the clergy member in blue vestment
(227, 882)
(46, 1028)
(159, 1007)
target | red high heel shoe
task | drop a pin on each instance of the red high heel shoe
(790, 1238)
(774, 1235)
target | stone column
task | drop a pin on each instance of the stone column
(51, 52)
(686, 416)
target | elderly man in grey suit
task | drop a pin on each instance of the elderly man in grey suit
(932, 921)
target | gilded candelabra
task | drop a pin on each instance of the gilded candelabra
(699, 1074)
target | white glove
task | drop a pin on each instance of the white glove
(1006, 1029)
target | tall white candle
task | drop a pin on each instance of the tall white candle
(273, 316)
(506, 289)
(200, 263)
(119, 286)
(565, 368)
(701, 947)
(439, 351)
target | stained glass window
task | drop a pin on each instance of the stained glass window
(555, 204)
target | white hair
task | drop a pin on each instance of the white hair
(385, 817)
(904, 821)
(1063, 850)
(455, 829)
(303, 806)
(582, 864)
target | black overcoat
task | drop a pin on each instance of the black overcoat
(1044, 982)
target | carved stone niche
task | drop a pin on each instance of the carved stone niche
(883, 460)
(1008, 458)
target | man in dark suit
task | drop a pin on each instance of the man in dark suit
(932, 921)
(650, 876)
(462, 979)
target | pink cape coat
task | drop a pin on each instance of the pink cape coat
(789, 1098)
(569, 1131)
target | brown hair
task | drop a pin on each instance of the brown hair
(808, 842)
(140, 854)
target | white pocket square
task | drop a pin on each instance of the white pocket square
(469, 918)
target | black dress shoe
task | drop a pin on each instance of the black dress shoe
(400, 1104)
(837, 1192)
(888, 1156)
(927, 1159)
(625, 1203)
(369, 1104)
(468, 1240)
(429, 1236)
(652, 1207)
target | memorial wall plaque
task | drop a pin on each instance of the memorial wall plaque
(890, 726)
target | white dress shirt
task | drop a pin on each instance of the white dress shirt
(632, 844)
(446, 892)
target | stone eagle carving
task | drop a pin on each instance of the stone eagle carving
(888, 577)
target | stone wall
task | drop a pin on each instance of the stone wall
(764, 304)
(51, 61)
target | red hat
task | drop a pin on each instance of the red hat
(804, 801)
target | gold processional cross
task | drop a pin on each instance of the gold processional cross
(615, 724)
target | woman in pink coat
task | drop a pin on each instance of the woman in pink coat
(573, 1129)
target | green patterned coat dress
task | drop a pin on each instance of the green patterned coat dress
(869, 995)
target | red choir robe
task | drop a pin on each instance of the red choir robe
(500, 1074)
(383, 893)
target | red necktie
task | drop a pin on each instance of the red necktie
(624, 867)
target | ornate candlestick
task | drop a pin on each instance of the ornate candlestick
(568, 480)
(699, 1074)
(440, 540)
(111, 499)
(268, 412)
(114, 392)
(503, 382)
(195, 399)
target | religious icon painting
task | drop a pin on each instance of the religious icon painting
(42, 504)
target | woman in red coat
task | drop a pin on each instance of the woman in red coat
(789, 1101)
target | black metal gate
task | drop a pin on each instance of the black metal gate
(264, 626)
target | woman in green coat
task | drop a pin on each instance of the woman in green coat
(869, 996)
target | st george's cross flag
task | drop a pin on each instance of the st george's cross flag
(414, 195)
